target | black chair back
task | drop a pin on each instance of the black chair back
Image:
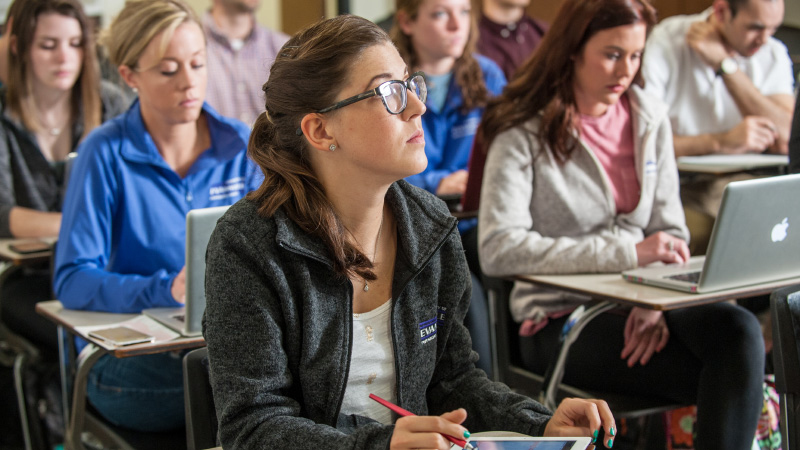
(785, 311)
(201, 417)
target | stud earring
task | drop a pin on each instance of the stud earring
(332, 147)
(135, 91)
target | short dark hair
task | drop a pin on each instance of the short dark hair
(736, 5)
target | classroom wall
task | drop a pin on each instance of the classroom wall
(792, 15)
(269, 14)
(374, 10)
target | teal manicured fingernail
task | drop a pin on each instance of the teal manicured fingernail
(594, 436)
(466, 434)
(612, 431)
(610, 443)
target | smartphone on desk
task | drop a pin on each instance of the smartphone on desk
(121, 336)
(28, 247)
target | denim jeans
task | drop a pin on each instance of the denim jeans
(143, 393)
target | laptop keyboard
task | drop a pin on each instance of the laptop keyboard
(689, 277)
(180, 317)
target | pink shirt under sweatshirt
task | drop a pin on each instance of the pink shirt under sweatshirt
(610, 137)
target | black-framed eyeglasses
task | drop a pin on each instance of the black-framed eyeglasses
(393, 93)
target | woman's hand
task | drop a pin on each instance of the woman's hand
(646, 333)
(178, 289)
(579, 417)
(425, 432)
(455, 183)
(662, 247)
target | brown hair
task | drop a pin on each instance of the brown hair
(466, 71)
(544, 83)
(85, 92)
(309, 72)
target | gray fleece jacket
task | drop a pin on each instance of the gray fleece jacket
(539, 216)
(278, 323)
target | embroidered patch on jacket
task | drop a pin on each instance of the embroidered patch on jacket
(228, 188)
(427, 330)
(650, 168)
(466, 129)
(440, 315)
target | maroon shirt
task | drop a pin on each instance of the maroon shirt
(509, 45)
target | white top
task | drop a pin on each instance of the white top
(699, 100)
(371, 365)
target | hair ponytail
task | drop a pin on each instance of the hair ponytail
(308, 73)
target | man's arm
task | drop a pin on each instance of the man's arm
(777, 108)
(753, 134)
(764, 115)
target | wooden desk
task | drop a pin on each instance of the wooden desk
(609, 291)
(67, 320)
(612, 288)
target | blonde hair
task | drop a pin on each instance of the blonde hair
(24, 15)
(139, 22)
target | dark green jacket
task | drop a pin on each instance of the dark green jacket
(278, 327)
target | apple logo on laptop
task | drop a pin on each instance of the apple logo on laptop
(779, 231)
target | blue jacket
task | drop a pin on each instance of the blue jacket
(449, 133)
(123, 228)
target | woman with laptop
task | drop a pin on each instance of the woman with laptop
(121, 246)
(337, 279)
(52, 98)
(580, 177)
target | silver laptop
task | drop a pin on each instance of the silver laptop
(756, 239)
(187, 320)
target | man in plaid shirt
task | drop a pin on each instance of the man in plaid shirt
(240, 53)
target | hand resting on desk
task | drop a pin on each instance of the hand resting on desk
(662, 247)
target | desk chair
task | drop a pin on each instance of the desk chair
(201, 417)
(19, 353)
(785, 311)
(508, 368)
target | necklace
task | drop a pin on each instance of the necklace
(55, 131)
(375, 251)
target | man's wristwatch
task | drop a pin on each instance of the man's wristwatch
(727, 67)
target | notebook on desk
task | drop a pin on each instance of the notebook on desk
(187, 320)
(756, 239)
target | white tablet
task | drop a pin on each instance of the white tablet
(528, 443)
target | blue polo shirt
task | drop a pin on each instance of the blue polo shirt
(123, 229)
(449, 133)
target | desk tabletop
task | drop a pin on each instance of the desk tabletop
(71, 318)
(18, 259)
(725, 164)
(611, 287)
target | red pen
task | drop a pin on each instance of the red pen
(459, 442)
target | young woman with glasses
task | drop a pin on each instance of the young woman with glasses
(122, 246)
(337, 279)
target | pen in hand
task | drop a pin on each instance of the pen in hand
(459, 442)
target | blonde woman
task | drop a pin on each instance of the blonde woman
(121, 248)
